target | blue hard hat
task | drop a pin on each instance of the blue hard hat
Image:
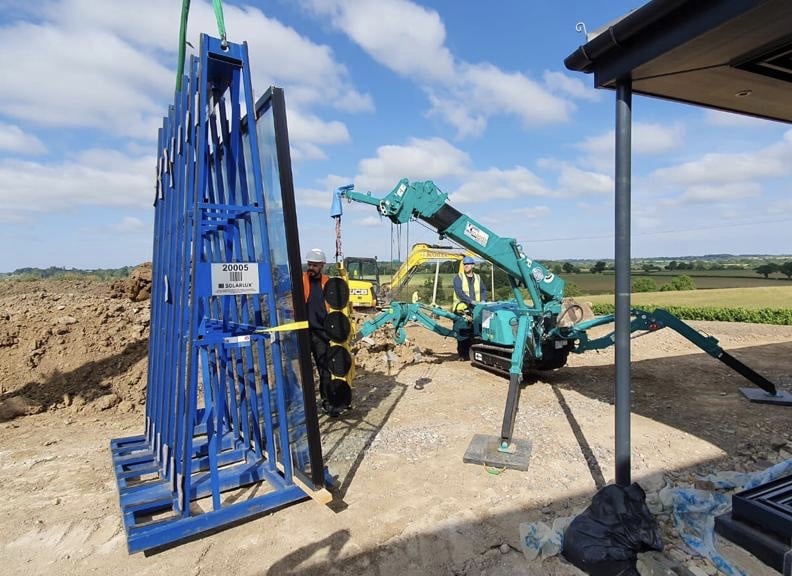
(468, 260)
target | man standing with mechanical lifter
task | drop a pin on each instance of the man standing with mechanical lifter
(314, 281)
(468, 291)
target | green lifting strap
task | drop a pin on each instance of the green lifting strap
(218, 10)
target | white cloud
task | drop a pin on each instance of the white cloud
(483, 90)
(647, 138)
(727, 168)
(420, 159)
(313, 198)
(110, 67)
(307, 151)
(333, 181)
(651, 138)
(733, 120)
(280, 55)
(498, 184)
(96, 177)
(515, 93)
(573, 181)
(462, 94)
(401, 35)
(309, 128)
(14, 139)
(130, 224)
(712, 194)
(370, 221)
(531, 212)
(575, 87)
(308, 133)
(781, 207)
(466, 119)
(88, 78)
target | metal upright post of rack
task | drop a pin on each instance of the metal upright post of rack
(230, 398)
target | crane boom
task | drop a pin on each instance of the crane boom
(425, 201)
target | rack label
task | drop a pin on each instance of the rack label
(230, 278)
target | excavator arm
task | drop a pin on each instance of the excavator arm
(421, 253)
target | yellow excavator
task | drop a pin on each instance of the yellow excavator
(364, 282)
(421, 254)
(366, 290)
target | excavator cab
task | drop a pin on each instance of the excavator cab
(364, 282)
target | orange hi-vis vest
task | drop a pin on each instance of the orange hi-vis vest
(307, 284)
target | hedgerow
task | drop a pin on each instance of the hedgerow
(780, 316)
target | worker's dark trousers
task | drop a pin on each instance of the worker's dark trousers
(319, 348)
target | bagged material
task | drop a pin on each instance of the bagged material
(606, 537)
(542, 541)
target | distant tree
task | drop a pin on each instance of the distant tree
(427, 289)
(648, 267)
(680, 283)
(572, 289)
(786, 269)
(672, 265)
(568, 268)
(557, 269)
(767, 269)
(644, 285)
(449, 267)
(599, 267)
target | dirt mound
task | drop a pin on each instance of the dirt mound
(379, 353)
(137, 287)
(73, 345)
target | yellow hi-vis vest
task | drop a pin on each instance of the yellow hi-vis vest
(460, 306)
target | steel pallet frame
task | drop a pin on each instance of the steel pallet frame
(231, 428)
(768, 505)
(761, 521)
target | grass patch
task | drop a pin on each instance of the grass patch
(754, 298)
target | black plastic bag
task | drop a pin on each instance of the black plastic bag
(604, 539)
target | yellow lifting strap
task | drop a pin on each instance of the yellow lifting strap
(302, 325)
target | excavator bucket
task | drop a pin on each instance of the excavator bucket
(573, 312)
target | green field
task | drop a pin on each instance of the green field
(589, 283)
(750, 298)
(727, 289)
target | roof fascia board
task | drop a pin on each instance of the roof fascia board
(693, 20)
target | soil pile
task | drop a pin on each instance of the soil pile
(75, 345)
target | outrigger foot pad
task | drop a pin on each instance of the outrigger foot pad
(487, 450)
(781, 397)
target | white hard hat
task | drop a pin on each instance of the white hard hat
(315, 255)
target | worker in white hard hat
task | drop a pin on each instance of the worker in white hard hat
(314, 280)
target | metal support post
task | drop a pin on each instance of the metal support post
(622, 257)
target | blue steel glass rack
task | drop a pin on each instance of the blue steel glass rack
(231, 427)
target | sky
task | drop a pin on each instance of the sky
(475, 99)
